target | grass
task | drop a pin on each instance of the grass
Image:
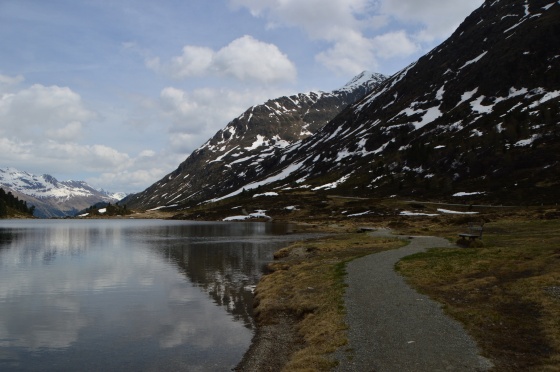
(307, 282)
(507, 293)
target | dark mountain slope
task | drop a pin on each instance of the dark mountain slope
(477, 115)
(251, 143)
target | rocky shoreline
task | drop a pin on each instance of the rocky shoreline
(272, 346)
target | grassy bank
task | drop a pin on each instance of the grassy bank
(306, 283)
(506, 293)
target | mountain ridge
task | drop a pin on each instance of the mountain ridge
(475, 119)
(247, 143)
(51, 197)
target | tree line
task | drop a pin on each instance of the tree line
(11, 205)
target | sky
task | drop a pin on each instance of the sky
(118, 93)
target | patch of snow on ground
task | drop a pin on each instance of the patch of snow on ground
(440, 92)
(430, 115)
(102, 210)
(291, 208)
(514, 26)
(476, 133)
(473, 60)
(545, 98)
(459, 194)
(526, 142)
(332, 185)
(477, 106)
(408, 213)
(259, 142)
(343, 154)
(266, 194)
(448, 211)
(359, 214)
(279, 176)
(256, 214)
(219, 158)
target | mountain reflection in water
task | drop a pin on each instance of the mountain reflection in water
(103, 294)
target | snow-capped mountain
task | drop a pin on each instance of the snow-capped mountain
(53, 198)
(478, 117)
(251, 143)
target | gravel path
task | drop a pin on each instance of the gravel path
(393, 328)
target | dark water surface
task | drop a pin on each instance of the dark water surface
(135, 295)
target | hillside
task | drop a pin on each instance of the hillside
(50, 197)
(477, 119)
(11, 206)
(250, 144)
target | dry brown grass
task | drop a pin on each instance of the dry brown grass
(507, 293)
(308, 284)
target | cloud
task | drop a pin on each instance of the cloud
(7, 82)
(41, 129)
(394, 44)
(197, 115)
(438, 19)
(40, 111)
(360, 34)
(245, 59)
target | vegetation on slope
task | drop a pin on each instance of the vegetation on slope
(11, 206)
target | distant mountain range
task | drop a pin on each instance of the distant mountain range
(475, 119)
(53, 198)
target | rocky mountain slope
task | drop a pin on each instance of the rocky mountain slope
(53, 198)
(476, 119)
(246, 146)
(478, 115)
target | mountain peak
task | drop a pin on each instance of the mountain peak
(364, 78)
(246, 146)
(52, 198)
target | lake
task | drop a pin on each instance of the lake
(139, 295)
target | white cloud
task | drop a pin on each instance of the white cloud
(37, 111)
(320, 19)
(438, 19)
(195, 61)
(352, 54)
(197, 115)
(69, 132)
(40, 130)
(245, 59)
(362, 33)
(394, 44)
(7, 82)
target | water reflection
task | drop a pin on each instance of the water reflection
(143, 293)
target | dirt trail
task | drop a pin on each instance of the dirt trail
(394, 328)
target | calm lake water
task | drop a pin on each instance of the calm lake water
(137, 295)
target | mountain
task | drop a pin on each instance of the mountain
(248, 144)
(477, 119)
(53, 198)
(477, 116)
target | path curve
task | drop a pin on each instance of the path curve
(394, 328)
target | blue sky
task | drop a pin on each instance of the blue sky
(118, 93)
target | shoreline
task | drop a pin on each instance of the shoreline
(271, 346)
(297, 305)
